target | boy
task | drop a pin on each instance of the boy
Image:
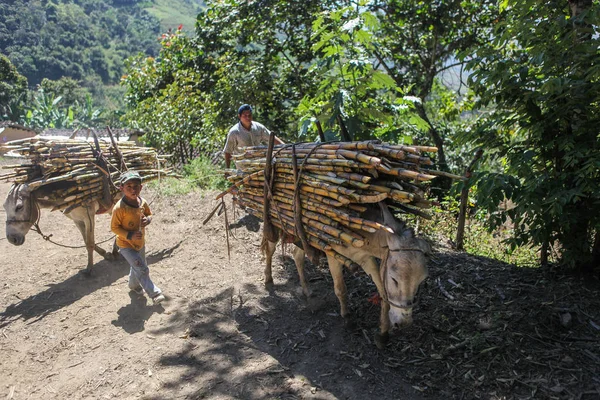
(130, 216)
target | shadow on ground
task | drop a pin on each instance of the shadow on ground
(79, 285)
(483, 329)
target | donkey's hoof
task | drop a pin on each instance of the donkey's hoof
(269, 284)
(381, 339)
(315, 303)
(87, 272)
(109, 257)
(349, 323)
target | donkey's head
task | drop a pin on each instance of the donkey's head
(403, 269)
(21, 213)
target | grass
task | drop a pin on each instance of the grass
(173, 13)
(200, 174)
(477, 239)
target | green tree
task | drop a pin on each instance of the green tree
(419, 41)
(13, 90)
(46, 112)
(168, 98)
(540, 73)
(243, 53)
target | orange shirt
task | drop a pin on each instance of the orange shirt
(127, 219)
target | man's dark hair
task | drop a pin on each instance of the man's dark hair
(244, 107)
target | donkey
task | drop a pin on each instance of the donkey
(402, 269)
(23, 206)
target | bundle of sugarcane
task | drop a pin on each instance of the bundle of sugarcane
(77, 171)
(332, 184)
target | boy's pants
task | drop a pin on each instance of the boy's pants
(139, 273)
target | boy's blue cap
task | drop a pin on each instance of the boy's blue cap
(244, 107)
(129, 176)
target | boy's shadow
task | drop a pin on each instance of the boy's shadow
(134, 315)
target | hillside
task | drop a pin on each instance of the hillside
(172, 13)
(86, 40)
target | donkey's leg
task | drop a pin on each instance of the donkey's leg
(299, 261)
(336, 269)
(90, 231)
(269, 251)
(89, 242)
(372, 269)
(115, 249)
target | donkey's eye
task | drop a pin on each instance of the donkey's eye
(395, 282)
(19, 207)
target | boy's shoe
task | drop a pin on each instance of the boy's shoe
(159, 298)
(138, 290)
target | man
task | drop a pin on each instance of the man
(245, 133)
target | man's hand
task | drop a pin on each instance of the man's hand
(227, 159)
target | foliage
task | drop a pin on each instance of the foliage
(478, 240)
(297, 63)
(86, 41)
(74, 39)
(260, 52)
(199, 174)
(167, 99)
(188, 96)
(419, 43)
(13, 90)
(48, 109)
(540, 75)
(170, 186)
(205, 175)
(46, 112)
(353, 98)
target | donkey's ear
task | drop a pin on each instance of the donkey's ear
(408, 233)
(425, 247)
(22, 193)
(389, 220)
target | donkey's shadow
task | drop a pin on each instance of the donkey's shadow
(251, 222)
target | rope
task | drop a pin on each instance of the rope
(47, 238)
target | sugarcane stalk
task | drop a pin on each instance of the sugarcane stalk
(444, 174)
(368, 197)
(410, 174)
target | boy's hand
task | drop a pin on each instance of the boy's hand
(146, 220)
(135, 235)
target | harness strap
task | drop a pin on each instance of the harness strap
(383, 273)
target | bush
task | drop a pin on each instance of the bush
(205, 175)
(199, 174)
(478, 240)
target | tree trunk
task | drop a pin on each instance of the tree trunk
(596, 251)
(578, 235)
(320, 129)
(544, 253)
(437, 139)
(464, 200)
(443, 184)
(344, 132)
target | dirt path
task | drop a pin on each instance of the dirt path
(221, 335)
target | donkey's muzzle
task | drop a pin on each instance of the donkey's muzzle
(17, 240)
